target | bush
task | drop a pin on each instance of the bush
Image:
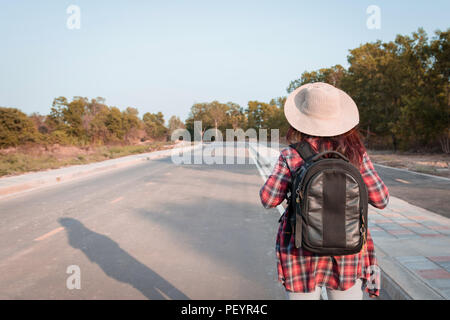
(16, 128)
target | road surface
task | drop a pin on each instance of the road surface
(150, 231)
(156, 230)
(428, 192)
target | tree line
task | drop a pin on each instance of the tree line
(401, 88)
(221, 116)
(83, 122)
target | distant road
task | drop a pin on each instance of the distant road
(431, 193)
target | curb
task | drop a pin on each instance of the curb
(392, 289)
(413, 172)
(401, 284)
(84, 170)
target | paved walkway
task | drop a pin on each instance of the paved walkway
(419, 241)
(413, 244)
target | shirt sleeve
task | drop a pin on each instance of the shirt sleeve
(274, 190)
(378, 192)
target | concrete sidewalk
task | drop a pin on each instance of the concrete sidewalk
(30, 181)
(412, 244)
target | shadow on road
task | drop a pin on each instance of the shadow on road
(117, 263)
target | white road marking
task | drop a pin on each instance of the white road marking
(117, 200)
(402, 181)
(263, 175)
(16, 256)
(49, 234)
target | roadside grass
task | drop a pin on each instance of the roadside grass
(428, 170)
(22, 161)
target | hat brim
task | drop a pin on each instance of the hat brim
(346, 119)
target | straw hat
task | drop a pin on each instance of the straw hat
(319, 109)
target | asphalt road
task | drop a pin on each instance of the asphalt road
(428, 192)
(157, 231)
(150, 231)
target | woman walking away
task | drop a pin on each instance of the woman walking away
(323, 240)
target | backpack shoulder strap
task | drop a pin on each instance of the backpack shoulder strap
(306, 152)
(304, 149)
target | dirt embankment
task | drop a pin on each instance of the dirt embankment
(14, 161)
(435, 164)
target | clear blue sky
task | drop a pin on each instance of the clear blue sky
(167, 55)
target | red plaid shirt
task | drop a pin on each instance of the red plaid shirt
(300, 270)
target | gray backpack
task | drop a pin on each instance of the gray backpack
(328, 203)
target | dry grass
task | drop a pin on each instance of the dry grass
(14, 161)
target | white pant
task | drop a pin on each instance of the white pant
(354, 293)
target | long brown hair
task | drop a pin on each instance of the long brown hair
(349, 143)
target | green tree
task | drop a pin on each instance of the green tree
(114, 124)
(94, 121)
(98, 129)
(439, 85)
(67, 118)
(154, 125)
(131, 124)
(279, 121)
(218, 114)
(331, 75)
(399, 87)
(372, 82)
(174, 124)
(55, 119)
(16, 128)
(261, 115)
(235, 116)
(199, 112)
(73, 117)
